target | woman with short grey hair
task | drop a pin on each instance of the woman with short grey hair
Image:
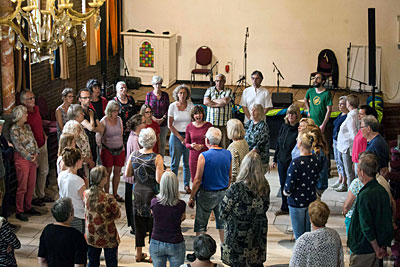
(257, 134)
(62, 110)
(26, 153)
(239, 147)
(146, 167)
(112, 146)
(75, 112)
(168, 244)
(62, 209)
(204, 247)
(158, 100)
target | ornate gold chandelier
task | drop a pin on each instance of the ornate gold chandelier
(47, 28)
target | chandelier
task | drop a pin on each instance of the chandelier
(46, 28)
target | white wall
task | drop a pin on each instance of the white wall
(289, 32)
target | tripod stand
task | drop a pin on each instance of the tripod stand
(241, 84)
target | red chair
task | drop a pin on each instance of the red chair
(203, 58)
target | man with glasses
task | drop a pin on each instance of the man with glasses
(218, 102)
(91, 122)
(35, 121)
(255, 94)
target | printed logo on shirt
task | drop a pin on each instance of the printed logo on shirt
(317, 100)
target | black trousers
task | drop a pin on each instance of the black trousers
(142, 226)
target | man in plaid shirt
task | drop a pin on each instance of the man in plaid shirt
(219, 110)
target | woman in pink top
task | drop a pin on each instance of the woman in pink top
(360, 143)
(194, 140)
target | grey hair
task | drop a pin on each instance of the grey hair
(214, 136)
(119, 84)
(204, 247)
(97, 174)
(178, 88)
(62, 209)
(71, 127)
(169, 189)
(18, 112)
(260, 109)
(235, 129)
(73, 111)
(368, 163)
(111, 106)
(156, 79)
(147, 138)
(343, 97)
(220, 75)
(372, 122)
(22, 95)
(66, 91)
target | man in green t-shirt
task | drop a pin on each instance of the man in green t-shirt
(318, 101)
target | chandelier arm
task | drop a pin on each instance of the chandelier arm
(80, 17)
(13, 15)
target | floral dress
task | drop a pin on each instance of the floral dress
(257, 136)
(246, 226)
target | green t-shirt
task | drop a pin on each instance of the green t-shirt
(318, 104)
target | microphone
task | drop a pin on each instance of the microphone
(241, 79)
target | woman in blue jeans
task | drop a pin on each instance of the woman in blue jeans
(168, 210)
(178, 118)
(301, 181)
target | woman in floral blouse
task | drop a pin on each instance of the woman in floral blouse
(25, 158)
(244, 209)
(257, 135)
(101, 211)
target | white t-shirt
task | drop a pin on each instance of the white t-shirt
(69, 184)
(251, 97)
(181, 118)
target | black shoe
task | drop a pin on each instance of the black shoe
(38, 202)
(191, 257)
(13, 226)
(47, 199)
(32, 211)
(132, 231)
(21, 216)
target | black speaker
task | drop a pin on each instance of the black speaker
(132, 82)
(282, 100)
(197, 95)
(371, 47)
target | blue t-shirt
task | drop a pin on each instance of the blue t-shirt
(380, 148)
(216, 169)
(336, 125)
(301, 181)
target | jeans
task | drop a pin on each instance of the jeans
(110, 254)
(163, 139)
(300, 221)
(206, 202)
(338, 159)
(282, 171)
(160, 252)
(176, 150)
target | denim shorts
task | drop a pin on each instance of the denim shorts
(206, 202)
(160, 252)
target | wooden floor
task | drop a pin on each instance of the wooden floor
(298, 94)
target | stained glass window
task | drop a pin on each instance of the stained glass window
(146, 55)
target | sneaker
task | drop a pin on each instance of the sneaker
(191, 257)
(281, 212)
(341, 188)
(336, 185)
(32, 211)
(21, 216)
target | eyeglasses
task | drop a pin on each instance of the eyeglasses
(31, 98)
(363, 127)
(84, 97)
(70, 96)
(148, 112)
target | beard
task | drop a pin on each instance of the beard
(317, 84)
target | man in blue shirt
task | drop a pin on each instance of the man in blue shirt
(375, 142)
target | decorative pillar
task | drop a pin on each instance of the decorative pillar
(7, 63)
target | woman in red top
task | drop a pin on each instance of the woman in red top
(147, 112)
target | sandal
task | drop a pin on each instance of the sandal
(143, 258)
(119, 198)
(188, 190)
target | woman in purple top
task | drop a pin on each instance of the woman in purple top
(169, 211)
(159, 102)
(112, 146)
(135, 124)
(195, 141)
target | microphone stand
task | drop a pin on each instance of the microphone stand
(211, 72)
(245, 54)
(359, 82)
(241, 83)
(348, 63)
(125, 69)
(278, 74)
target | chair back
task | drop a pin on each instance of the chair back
(43, 107)
(203, 56)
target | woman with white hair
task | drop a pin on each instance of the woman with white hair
(244, 209)
(112, 147)
(101, 210)
(178, 119)
(158, 100)
(62, 110)
(26, 153)
(127, 106)
(169, 212)
(239, 147)
(257, 134)
(146, 167)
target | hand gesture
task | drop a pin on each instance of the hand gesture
(191, 203)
